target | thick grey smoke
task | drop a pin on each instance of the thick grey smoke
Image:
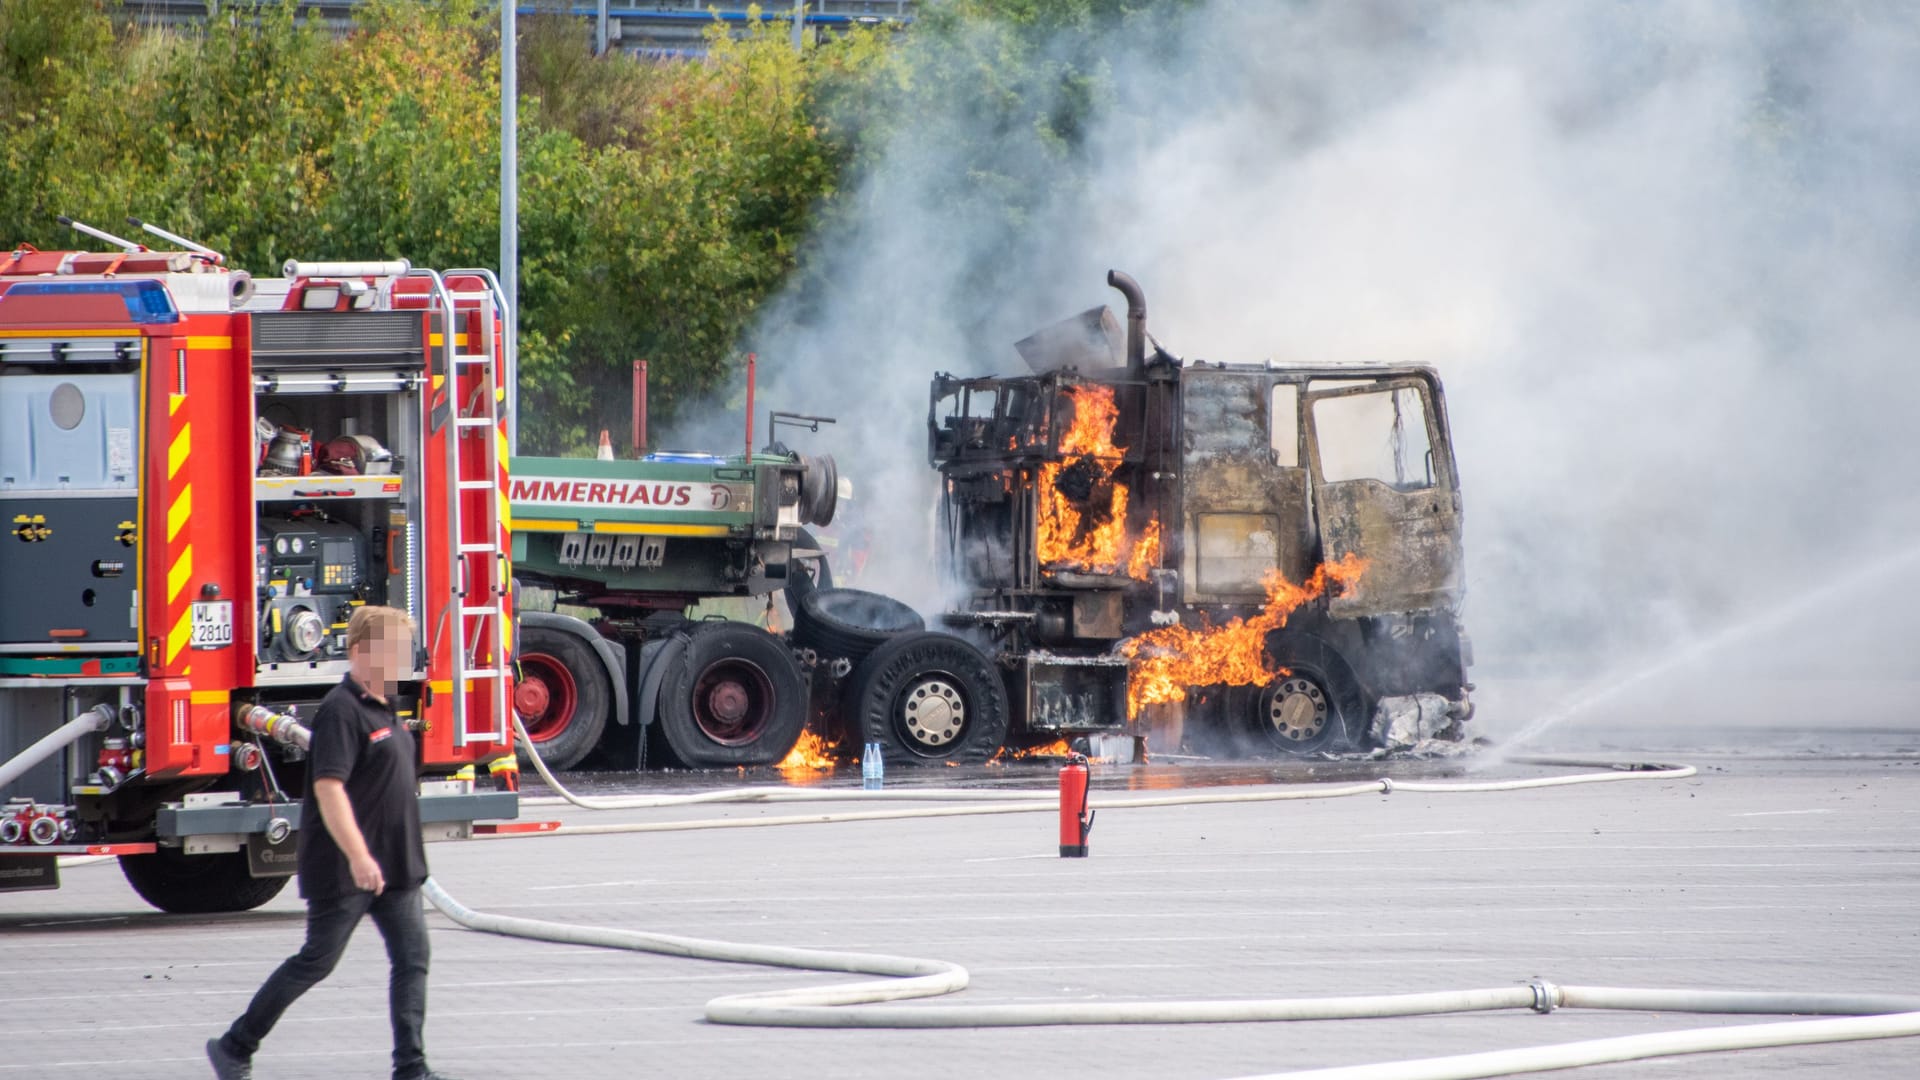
(1665, 257)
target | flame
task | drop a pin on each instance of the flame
(1093, 543)
(808, 758)
(1169, 660)
(1056, 748)
(1146, 552)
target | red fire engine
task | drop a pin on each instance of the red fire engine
(201, 476)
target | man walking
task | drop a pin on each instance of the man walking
(360, 850)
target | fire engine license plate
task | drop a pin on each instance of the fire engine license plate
(213, 625)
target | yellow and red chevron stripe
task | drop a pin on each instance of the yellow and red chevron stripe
(179, 512)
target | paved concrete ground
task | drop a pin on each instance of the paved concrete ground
(1760, 873)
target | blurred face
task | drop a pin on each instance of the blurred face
(388, 655)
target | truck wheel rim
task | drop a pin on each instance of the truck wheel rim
(933, 713)
(546, 696)
(1297, 710)
(732, 701)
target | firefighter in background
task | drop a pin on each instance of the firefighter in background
(848, 542)
(366, 859)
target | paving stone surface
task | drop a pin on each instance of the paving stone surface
(1765, 871)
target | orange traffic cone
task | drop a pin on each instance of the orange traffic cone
(606, 446)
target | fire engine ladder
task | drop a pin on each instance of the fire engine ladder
(479, 601)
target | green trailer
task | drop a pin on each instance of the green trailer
(623, 553)
(622, 549)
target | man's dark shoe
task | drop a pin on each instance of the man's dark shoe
(431, 1075)
(225, 1065)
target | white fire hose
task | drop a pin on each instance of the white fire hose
(858, 1004)
(1023, 802)
(95, 719)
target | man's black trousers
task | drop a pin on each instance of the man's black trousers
(330, 923)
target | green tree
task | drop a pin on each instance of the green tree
(660, 201)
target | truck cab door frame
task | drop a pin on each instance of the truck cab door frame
(1408, 529)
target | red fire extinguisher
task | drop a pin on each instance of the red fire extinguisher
(1076, 821)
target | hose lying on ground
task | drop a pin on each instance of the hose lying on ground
(1627, 1047)
(858, 1004)
(1026, 802)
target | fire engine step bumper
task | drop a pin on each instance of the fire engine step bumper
(236, 818)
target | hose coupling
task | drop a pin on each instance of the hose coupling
(44, 830)
(1546, 996)
(281, 727)
(1386, 785)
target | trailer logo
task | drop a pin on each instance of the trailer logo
(619, 494)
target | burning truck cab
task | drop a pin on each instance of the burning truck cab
(1247, 558)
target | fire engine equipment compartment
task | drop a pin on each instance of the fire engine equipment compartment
(337, 486)
(67, 498)
(201, 480)
(1259, 557)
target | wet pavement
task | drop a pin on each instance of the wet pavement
(1774, 868)
(1038, 774)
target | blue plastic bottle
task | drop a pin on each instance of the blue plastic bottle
(873, 769)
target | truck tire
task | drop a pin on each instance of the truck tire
(732, 696)
(851, 622)
(198, 884)
(561, 696)
(928, 698)
(1317, 705)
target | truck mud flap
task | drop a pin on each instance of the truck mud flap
(268, 859)
(1070, 693)
(22, 873)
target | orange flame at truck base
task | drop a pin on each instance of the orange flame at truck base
(1169, 661)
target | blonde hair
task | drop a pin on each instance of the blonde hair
(369, 621)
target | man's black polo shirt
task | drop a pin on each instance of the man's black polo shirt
(358, 740)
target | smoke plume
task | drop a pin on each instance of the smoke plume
(1664, 257)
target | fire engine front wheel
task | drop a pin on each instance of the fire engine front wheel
(198, 884)
(561, 696)
(1313, 707)
(733, 696)
(929, 697)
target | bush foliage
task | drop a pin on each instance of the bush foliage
(660, 201)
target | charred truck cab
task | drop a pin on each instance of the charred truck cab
(1239, 557)
(203, 475)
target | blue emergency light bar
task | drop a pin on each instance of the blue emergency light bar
(147, 301)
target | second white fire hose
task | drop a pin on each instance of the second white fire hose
(864, 1004)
